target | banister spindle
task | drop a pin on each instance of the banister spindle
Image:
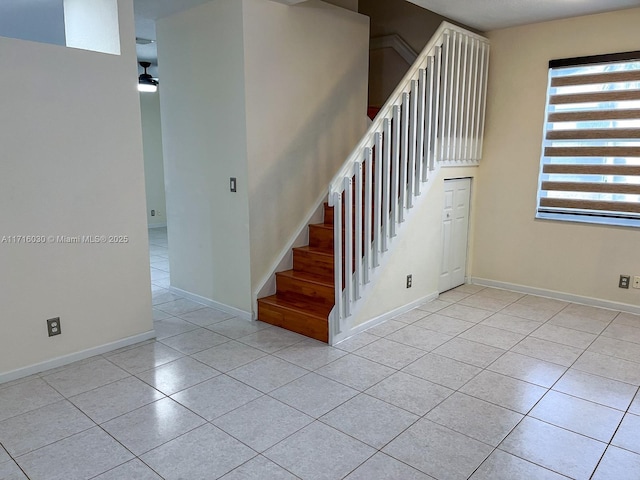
(386, 184)
(404, 156)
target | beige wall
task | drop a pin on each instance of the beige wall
(348, 4)
(71, 165)
(414, 24)
(386, 69)
(200, 52)
(306, 86)
(510, 245)
(153, 162)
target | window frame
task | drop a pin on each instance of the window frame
(576, 214)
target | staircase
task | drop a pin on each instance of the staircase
(434, 118)
(305, 295)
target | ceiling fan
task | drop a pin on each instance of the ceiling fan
(146, 83)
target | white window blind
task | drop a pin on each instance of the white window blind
(590, 167)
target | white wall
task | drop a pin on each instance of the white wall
(71, 165)
(273, 95)
(511, 246)
(92, 25)
(204, 143)
(306, 103)
(416, 250)
(153, 160)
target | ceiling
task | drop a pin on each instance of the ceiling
(483, 15)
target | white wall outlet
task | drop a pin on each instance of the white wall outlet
(636, 281)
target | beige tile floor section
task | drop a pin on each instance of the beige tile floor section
(482, 383)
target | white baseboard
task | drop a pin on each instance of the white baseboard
(383, 318)
(567, 297)
(236, 312)
(74, 357)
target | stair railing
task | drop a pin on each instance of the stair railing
(434, 117)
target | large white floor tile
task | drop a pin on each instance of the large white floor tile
(370, 420)
(81, 378)
(117, 398)
(262, 423)
(32, 430)
(78, 457)
(26, 396)
(216, 396)
(152, 425)
(554, 448)
(319, 452)
(438, 451)
(203, 454)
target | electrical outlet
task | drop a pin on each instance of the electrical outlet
(409, 281)
(232, 184)
(53, 326)
(153, 213)
(624, 281)
(636, 281)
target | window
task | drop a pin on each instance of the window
(590, 167)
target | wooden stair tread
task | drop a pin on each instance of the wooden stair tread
(327, 226)
(319, 251)
(290, 302)
(307, 277)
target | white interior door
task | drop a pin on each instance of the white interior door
(455, 232)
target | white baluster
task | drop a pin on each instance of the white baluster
(357, 277)
(412, 132)
(422, 85)
(366, 260)
(395, 169)
(436, 118)
(469, 103)
(455, 99)
(462, 99)
(337, 260)
(404, 156)
(348, 245)
(377, 201)
(444, 88)
(386, 190)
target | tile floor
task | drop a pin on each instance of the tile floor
(481, 384)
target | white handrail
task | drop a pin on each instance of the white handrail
(435, 116)
(421, 61)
